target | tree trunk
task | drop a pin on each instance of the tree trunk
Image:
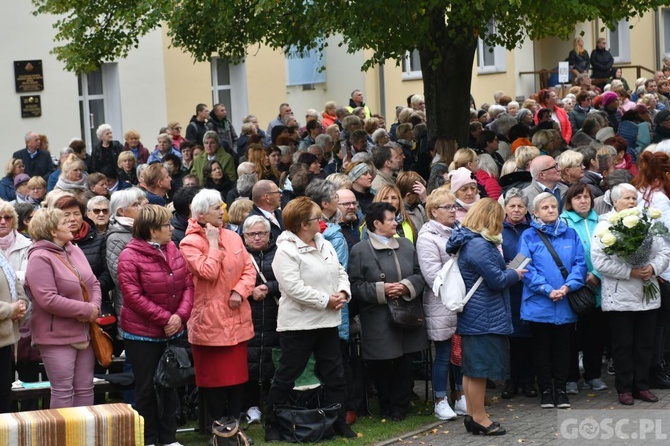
(447, 84)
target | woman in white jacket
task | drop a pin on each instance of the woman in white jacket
(632, 319)
(440, 322)
(314, 287)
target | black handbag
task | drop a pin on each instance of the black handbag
(300, 425)
(175, 368)
(402, 313)
(227, 432)
(583, 300)
(406, 313)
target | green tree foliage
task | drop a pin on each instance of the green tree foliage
(91, 32)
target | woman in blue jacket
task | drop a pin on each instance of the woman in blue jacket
(544, 301)
(486, 320)
(588, 338)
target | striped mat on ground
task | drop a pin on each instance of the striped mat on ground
(101, 425)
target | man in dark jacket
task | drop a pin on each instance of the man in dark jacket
(197, 128)
(267, 200)
(182, 211)
(601, 63)
(218, 121)
(37, 162)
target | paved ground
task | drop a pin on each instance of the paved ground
(527, 423)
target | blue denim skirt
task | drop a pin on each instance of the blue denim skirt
(486, 356)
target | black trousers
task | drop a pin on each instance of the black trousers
(660, 335)
(160, 425)
(394, 382)
(589, 338)
(6, 378)
(296, 348)
(551, 354)
(521, 361)
(632, 347)
(29, 371)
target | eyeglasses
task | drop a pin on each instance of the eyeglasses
(448, 207)
(313, 218)
(165, 225)
(100, 211)
(349, 204)
(259, 234)
(274, 192)
(554, 167)
(6, 217)
(134, 205)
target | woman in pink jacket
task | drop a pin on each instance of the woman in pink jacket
(220, 323)
(56, 275)
(157, 291)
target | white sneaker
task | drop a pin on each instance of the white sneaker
(176, 443)
(443, 411)
(254, 415)
(460, 407)
(571, 388)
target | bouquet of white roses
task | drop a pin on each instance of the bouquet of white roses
(630, 237)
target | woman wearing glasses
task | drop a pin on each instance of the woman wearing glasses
(314, 288)
(264, 302)
(157, 300)
(440, 322)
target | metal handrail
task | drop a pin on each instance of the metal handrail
(544, 73)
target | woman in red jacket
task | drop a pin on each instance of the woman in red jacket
(157, 293)
(548, 99)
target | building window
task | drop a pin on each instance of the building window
(491, 58)
(305, 68)
(221, 85)
(665, 42)
(99, 103)
(412, 66)
(618, 41)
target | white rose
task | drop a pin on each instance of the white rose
(608, 239)
(631, 221)
(655, 213)
(614, 218)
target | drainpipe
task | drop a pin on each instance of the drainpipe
(382, 91)
(657, 39)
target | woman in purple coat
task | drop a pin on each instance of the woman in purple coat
(66, 297)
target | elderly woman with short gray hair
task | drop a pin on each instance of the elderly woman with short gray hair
(224, 278)
(124, 208)
(106, 151)
(264, 301)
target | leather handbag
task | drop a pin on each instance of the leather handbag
(406, 313)
(300, 425)
(402, 313)
(101, 343)
(583, 300)
(175, 368)
(227, 432)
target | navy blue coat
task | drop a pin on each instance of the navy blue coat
(511, 234)
(488, 310)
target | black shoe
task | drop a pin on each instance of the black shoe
(658, 379)
(271, 433)
(490, 384)
(529, 391)
(561, 399)
(509, 391)
(547, 400)
(492, 429)
(467, 422)
(343, 430)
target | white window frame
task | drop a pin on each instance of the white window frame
(499, 58)
(237, 75)
(665, 50)
(111, 99)
(216, 88)
(407, 73)
(623, 38)
(316, 56)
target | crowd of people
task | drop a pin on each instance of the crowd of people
(302, 239)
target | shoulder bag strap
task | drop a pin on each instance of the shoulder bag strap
(258, 270)
(553, 253)
(76, 273)
(475, 286)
